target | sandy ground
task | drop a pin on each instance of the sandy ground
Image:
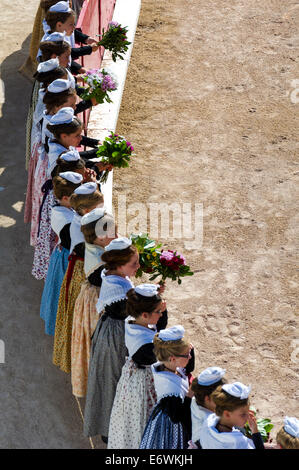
(208, 106)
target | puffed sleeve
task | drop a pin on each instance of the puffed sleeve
(162, 322)
(117, 310)
(80, 250)
(95, 278)
(177, 410)
(65, 237)
(190, 366)
(144, 356)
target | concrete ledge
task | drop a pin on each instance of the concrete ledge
(103, 118)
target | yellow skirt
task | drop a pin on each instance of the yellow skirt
(85, 321)
(64, 319)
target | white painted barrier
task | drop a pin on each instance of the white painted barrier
(103, 118)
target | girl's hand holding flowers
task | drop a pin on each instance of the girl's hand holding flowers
(94, 47)
(104, 166)
(89, 176)
(252, 422)
(115, 151)
(91, 40)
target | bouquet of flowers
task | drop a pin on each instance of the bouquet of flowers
(171, 265)
(115, 40)
(264, 426)
(99, 82)
(115, 150)
(164, 263)
(148, 253)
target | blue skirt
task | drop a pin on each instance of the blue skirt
(49, 303)
(162, 433)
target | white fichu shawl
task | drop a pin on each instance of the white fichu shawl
(136, 336)
(92, 258)
(198, 414)
(55, 149)
(69, 39)
(40, 108)
(61, 216)
(45, 132)
(169, 384)
(211, 438)
(113, 289)
(75, 232)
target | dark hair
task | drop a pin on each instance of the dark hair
(63, 165)
(201, 391)
(53, 47)
(45, 78)
(63, 187)
(137, 304)
(115, 258)
(58, 129)
(225, 401)
(52, 18)
(89, 232)
(79, 202)
(57, 99)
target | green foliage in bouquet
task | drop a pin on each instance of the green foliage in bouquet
(172, 266)
(98, 84)
(264, 426)
(148, 253)
(115, 150)
(165, 263)
(115, 40)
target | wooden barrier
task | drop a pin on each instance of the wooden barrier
(94, 16)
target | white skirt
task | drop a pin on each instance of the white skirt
(134, 400)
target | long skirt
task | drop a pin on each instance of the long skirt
(29, 121)
(30, 182)
(49, 303)
(134, 400)
(70, 289)
(107, 357)
(162, 433)
(85, 321)
(40, 177)
(45, 241)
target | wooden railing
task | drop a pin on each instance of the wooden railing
(94, 16)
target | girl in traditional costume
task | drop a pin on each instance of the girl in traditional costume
(83, 200)
(135, 394)
(202, 405)
(99, 230)
(232, 410)
(108, 349)
(169, 425)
